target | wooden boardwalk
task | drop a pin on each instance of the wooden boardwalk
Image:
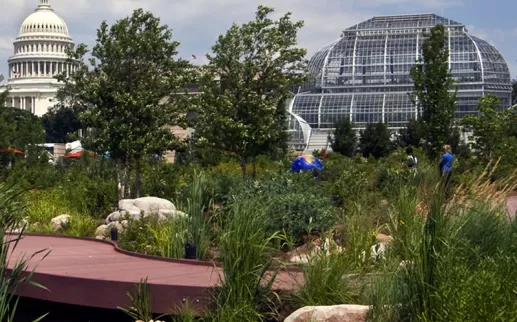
(94, 273)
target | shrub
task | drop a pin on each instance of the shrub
(291, 202)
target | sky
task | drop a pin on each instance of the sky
(198, 23)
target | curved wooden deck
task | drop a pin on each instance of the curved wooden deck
(96, 273)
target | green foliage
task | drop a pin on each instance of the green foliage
(245, 83)
(19, 128)
(141, 310)
(344, 180)
(61, 123)
(433, 81)
(344, 140)
(291, 201)
(131, 91)
(490, 129)
(324, 281)
(514, 92)
(411, 135)
(47, 204)
(168, 239)
(245, 246)
(375, 140)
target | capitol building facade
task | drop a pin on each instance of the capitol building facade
(39, 55)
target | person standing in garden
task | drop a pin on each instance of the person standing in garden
(412, 159)
(445, 165)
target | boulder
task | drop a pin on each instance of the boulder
(335, 313)
(134, 208)
(101, 231)
(104, 231)
(60, 222)
(153, 205)
(114, 216)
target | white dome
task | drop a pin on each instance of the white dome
(44, 20)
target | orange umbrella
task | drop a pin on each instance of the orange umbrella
(12, 150)
(77, 154)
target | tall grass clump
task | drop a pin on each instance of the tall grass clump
(457, 259)
(245, 246)
(12, 275)
(198, 204)
(324, 281)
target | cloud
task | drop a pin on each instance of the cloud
(197, 24)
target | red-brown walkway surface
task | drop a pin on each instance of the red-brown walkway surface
(94, 273)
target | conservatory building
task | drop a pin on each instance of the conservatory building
(39, 55)
(365, 76)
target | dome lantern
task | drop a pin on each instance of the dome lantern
(44, 4)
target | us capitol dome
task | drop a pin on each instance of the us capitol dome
(364, 76)
(39, 55)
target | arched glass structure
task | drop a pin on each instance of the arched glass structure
(365, 74)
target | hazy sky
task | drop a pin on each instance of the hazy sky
(197, 23)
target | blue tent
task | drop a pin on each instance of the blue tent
(306, 163)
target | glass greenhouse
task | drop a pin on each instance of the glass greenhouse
(364, 76)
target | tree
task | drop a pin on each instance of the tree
(411, 135)
(432, 95)
(491, 128)
(60, 122)
(514, 92)
(345, 138)
(375, 140)
(131, 92)
(255, 65)
(18, 128)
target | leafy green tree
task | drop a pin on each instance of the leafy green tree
(376, 141)
(28, 128)
(255, 65)
(432, 95)
(411, 135)
(61, 123)
(490, 128)
(344, 140)
(131, 92)
(18, 128)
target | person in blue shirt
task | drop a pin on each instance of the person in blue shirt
(446, 164)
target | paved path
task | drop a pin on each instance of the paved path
(93, 273)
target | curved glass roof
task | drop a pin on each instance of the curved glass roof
(365, 74)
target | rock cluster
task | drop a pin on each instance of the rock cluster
(135, 209)
(335, 313)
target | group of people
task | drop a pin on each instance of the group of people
(445, 164)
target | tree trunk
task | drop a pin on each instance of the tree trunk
(254, 167)
(138, 179)
(120, 183)
(127, 177)
(243, 168)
